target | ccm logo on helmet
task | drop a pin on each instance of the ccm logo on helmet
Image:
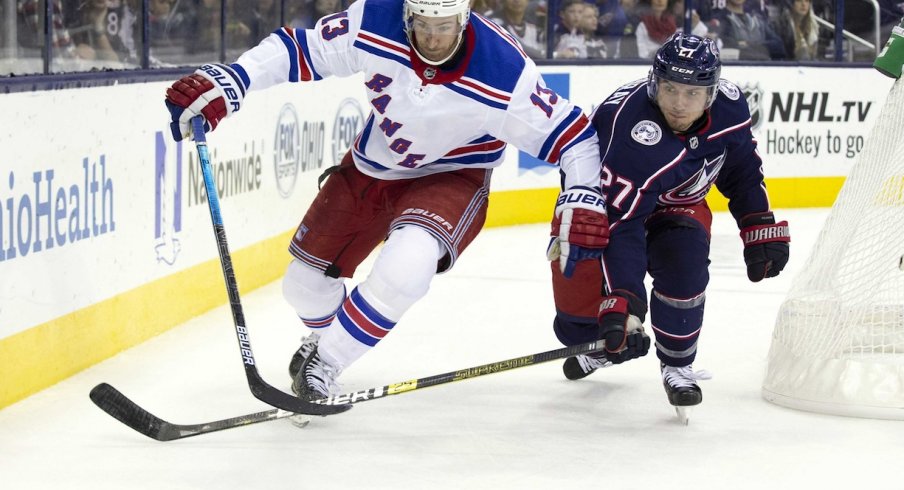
(681, 70)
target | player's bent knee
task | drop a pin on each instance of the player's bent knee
(575, 331)
(402, 272)
(310, 292)
(408, 261)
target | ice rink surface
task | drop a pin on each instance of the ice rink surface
(528, 428)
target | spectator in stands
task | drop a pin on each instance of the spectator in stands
(327, 7)
(796, 26)
(208, 38)
(261, 18)
(611, 18)
(511, 17)
(103, 31)
(596, 44)
(709, 10)
(207, 27)
(627, 45)
(569, 38)
(698, 28)
(168, 24)
(705, 8)
(297, 13)
(487, 8)
(314, 10)
(748, 32)
(537, 13)
(656, 25)
(30, 28)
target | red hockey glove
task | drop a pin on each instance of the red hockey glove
(766, 246)
(214, 91)
(621, 325)
(580, 228)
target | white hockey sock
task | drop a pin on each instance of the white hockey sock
(315, 297)
(400, 277)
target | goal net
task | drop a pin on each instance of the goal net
(838, 343)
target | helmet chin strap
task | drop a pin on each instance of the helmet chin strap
(413, 42)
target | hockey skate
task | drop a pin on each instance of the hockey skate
(681, 388)
(313, 378)
(307, 345)
(581, 366)
(316, 378)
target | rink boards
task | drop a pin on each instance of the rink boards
(105, 236)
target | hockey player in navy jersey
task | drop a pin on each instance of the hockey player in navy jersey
(664, 142)
(448, 90)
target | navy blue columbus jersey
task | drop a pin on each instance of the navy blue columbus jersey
(646, 166)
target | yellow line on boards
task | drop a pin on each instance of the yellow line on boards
(48, 353)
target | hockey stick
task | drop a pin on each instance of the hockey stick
(259, 388)
(110, 400)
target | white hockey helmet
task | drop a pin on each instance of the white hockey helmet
(436, 8)
(439, 8)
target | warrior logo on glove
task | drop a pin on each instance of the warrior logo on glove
(766, 247)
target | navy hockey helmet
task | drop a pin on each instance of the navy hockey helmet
(688, 59)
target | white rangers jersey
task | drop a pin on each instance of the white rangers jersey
(424, 120)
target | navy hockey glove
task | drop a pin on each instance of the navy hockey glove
(765, 245)
(580, 228)
(621, 325)
(214, 91)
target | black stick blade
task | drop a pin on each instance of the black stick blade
(279, 399)
(118, 406)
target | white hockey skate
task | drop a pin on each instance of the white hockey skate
(681, 388)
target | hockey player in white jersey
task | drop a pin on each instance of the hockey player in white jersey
(448, 90)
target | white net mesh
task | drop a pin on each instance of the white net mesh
(838, 343)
